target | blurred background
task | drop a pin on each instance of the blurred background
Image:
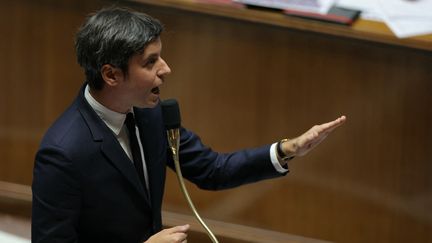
(245, 78)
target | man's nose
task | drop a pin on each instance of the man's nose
(165, 70)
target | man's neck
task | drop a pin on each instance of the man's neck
(107, 99)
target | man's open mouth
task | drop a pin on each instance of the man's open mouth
(155, 90)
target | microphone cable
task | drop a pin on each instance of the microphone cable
(172, 120)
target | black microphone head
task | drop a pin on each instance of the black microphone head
(171, 114)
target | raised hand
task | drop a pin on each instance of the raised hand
(304, 143)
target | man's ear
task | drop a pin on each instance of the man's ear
(111, 75)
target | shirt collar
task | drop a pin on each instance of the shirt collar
(114, 120)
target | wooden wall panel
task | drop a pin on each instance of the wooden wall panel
(39, 75)
(242, 85)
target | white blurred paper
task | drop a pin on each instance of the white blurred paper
(314, 6)
(407, 18)
(407, 8)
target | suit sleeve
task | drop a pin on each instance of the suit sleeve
(215, 171)
(56, 197)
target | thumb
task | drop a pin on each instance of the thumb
(180, 228)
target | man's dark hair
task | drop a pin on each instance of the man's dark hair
(112, 36)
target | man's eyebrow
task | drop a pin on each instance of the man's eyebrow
(152, 55)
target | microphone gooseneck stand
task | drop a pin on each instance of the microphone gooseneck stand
(171, 115)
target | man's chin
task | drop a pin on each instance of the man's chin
(150, 104)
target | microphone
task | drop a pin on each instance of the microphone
(172, 120)
(171, 114)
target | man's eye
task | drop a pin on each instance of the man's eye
(151, 61)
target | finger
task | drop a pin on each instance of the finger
(333, 124)
(330, 126)
(176, 229)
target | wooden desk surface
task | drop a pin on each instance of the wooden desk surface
(361, 29)
(15, 213)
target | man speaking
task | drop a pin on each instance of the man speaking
(99, 173)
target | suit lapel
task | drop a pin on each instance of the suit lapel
(154, 150)
(115, 154)
(110, 146)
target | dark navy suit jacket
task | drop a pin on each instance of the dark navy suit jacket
(85, 189)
